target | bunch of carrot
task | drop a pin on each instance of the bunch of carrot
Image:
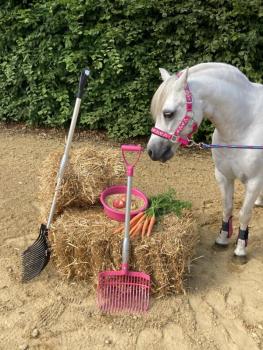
(141, 224)
(162, 204)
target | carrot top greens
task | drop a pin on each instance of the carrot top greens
(166, 203)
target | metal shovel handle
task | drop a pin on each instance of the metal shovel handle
(82, 82)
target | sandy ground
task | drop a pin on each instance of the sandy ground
(222, 308)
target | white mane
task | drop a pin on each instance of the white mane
(221, 71)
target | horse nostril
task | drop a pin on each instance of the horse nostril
(150, 153)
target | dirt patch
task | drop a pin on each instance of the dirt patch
(223, 305)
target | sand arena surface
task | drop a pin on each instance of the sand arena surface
(223, 305)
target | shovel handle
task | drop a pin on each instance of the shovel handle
(82, 81)
(131, 148)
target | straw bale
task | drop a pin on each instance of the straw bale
(83, 245)
(88, 173)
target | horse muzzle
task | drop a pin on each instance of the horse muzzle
(160, 152)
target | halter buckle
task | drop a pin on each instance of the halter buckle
(174, 138)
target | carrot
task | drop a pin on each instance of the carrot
(136, 218)
(119, 229)
(134, 228)
(151, 224)
(133, 222)
(138, 230)
(145, 225)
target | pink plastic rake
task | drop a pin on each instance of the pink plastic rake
(125, 290)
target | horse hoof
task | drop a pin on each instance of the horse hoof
(239, 260)
(219, 247)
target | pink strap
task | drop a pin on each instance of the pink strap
(161, 133)
(177, 137)
(171, 137)
(182, 125)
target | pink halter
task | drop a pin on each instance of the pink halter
(188, 120)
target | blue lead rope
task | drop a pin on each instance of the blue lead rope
(205, 145)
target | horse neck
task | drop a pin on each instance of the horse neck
(228, 105)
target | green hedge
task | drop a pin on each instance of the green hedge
(44, 45)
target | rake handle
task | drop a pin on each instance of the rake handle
(130, 169)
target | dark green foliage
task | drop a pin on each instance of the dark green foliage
(44, 45)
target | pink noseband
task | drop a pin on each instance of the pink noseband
(188, 120)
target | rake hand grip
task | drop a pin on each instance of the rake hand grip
(131, 148)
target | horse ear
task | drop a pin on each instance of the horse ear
(164, 74)
(183, 78)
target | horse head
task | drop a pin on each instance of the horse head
(172, 110)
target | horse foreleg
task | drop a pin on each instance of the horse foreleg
(227, 189)
(252, 191)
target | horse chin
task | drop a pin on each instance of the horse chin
(167, 155)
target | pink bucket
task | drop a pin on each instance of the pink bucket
(122, 189)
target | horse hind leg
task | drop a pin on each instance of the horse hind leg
(227, 190)
(252, 192)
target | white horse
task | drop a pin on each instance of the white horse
(221, 93)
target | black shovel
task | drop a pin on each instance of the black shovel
(36, 257)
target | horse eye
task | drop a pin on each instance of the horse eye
(168, 114)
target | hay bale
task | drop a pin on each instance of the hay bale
(84, 245)
(87, 174)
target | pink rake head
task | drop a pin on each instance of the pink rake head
(123, 291)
